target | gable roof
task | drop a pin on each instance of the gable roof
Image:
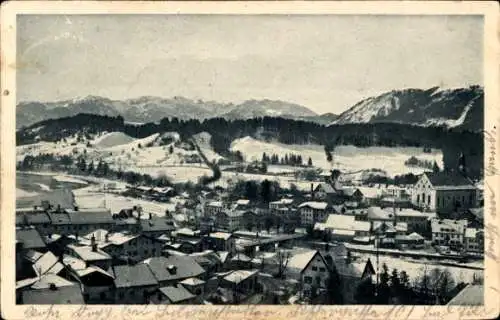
(133, 276)
(157, 224)
(314, 205)
(220, 235)
(368, 270)
(70, 294)
(238, 276)
(471, 295)
(59, 218)
(186, 266)
(327, 188)
(299, 261)
(30, 238)
(44, 263)
(192, 281)
(37, 218)
(176, 294)
(448, 179)
(90, 217)
(86, 253)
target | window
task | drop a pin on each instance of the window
(428, 199)
(121, 295)
(308, 279)
(418, 198)
(315, 268)
(322, 269)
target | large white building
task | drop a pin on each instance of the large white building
(444, 192)
(448, 232)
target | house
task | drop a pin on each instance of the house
(417, 221)
(61, 224)
(222, 241)
(324, 192)
(371, 196)
(91, 254)
(213, 207)
(474, 240)
(186, 240)
(30, 238)
(170, 270)
(134, 284)
(175, 294)
(241, 204)
(240, 261)
(194, 285)
(412, 241)
(312, 212)
(448, 232)
(48, 289)
(344, 227)
(125, 246)
(444, 192)
(229, 220)
(240, 284)
(84, 221)
(40, 220)
(96, 283)
(280, 204)
(155, 227)
(310, 269)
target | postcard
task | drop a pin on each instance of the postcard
(249, 160)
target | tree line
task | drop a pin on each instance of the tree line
(452, 142)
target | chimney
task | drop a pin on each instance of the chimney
(150, 216)
(93, 243)
(35, 207)
(172, 269)
(75, 208)
(312, 190)
(58, 208)
(53, 286)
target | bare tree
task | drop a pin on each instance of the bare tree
(283, 259)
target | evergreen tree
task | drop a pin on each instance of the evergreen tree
(310, 162)
(435, 167)
(383, 290)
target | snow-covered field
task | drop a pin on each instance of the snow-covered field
(63, 178)
(91, 197)
(415, 268)
(20, 193)
(203, 141)
(345, 158)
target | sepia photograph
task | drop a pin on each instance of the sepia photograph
(250, 159)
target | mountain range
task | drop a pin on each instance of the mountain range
(453, 108)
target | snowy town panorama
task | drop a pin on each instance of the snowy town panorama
(365, 196)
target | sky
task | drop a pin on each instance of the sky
(324, 62)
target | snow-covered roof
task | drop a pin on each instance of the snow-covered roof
(217, 204)
(471, 232)
(343, 232)
(300, 260)
(239, 275)
(343, 222)
(192, 281)
(220, 235)
(242, 202)
(314, 205)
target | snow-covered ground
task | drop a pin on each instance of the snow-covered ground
(20, 193)
(91, 197)
(203, 141)
(63, 178)
(415, 268)
(44, 187)
(345, 158)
